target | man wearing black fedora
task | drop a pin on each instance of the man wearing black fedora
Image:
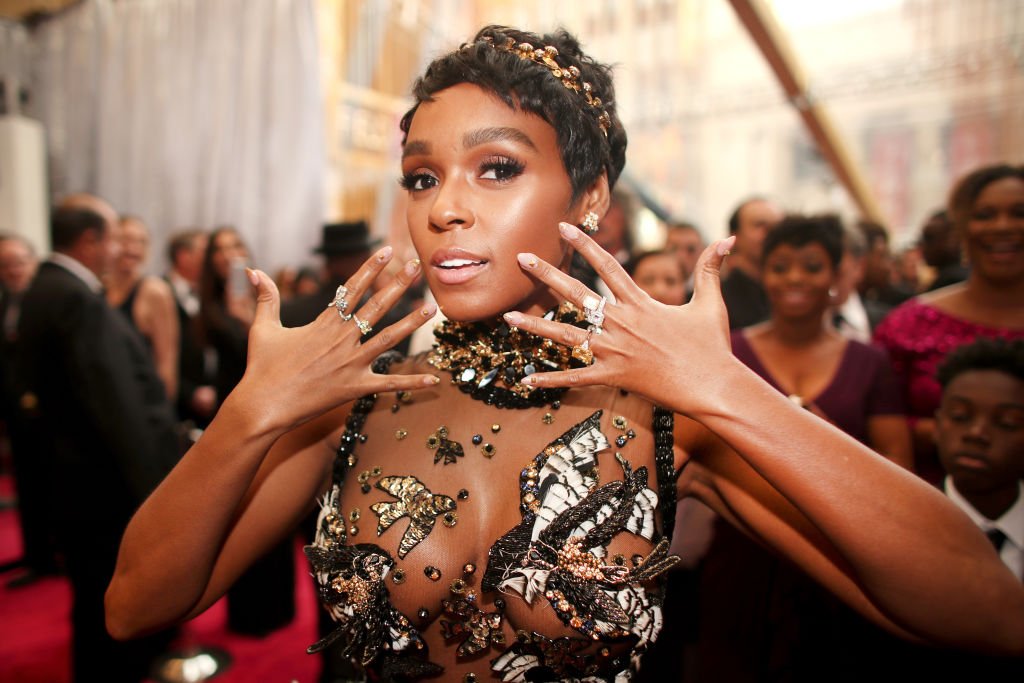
(344, 246)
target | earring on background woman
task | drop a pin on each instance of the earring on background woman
(589, 225)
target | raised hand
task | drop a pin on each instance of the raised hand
(296, 374)
(665, 353)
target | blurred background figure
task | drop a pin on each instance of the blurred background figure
(776, 623)
(307, 281)
(987, 210)
(18, 263)
(145, 300)
(685, 242)
(344, 247)
(262, 600)
(659, 274)
(854, 317)
(108, 426)
(979, 436)
(878, 283)
(941, 251)
(197, 397)
(744, 295)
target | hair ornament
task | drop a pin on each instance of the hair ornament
(569, 76)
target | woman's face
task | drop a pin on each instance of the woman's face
(995, 231)
(134, 240)
(485, 182)
(227, 246)
(662, 278)
(797, 280)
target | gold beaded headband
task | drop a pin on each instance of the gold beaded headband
(569, 76)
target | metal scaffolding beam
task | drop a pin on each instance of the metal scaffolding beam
(760, 23)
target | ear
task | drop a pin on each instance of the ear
(596, 198)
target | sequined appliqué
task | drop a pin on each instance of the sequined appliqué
(417, 503)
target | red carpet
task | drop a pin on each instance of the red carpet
(35, 636)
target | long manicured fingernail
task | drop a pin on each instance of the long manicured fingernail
(528, 380)
(384, 254)
(254, 277)
(514, 318)
(428, 310)
(527, 260)
(724, 247)
(569, 231)
(412, 267)
(432, 380)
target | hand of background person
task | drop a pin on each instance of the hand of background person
(668, 354)
(295, 374)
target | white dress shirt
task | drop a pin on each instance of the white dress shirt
(1011, 524)
(78, 270)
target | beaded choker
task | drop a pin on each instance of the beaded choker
(487, 360)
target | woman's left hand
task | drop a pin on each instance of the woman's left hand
(669, 354)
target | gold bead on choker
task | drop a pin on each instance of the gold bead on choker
(569, 76)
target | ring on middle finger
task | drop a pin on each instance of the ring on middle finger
(583, 353)
(593, 310)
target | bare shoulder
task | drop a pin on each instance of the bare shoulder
(948, 299)
(156, 290)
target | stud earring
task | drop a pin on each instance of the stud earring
(590, 223)
(832, 293)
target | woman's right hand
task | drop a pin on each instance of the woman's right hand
(295, 374)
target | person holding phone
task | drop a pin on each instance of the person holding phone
(262, 600)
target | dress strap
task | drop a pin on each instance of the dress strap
(664, 468)
(346, 457)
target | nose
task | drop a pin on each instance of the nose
(450, 210)
(978, 430)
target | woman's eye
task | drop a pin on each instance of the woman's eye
(814, 268)
(501, 169)
(417, 182)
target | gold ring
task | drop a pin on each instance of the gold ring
(363, 326)
(582, 352)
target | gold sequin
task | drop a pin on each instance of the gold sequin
(488, 450)
(414, 501)
(619, 422)
(398, 576)
(354, 515)
(401, 434)
(548, 418)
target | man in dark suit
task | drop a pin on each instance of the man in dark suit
(108, 425)
(197, 397)
(742, 291)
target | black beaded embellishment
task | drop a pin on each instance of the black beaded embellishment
(354, 424)
(487, 360)
(664, 468)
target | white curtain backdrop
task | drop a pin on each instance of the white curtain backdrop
(190, 113)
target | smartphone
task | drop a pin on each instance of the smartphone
(238, 280)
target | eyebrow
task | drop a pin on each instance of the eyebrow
(473, 138)
(482, 136)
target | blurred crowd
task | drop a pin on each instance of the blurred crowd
(110, 371)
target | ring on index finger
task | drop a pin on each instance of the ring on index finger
(340, 302)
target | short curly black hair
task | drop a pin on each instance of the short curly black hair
(985, 353)
(799, 231)
(527, 86)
